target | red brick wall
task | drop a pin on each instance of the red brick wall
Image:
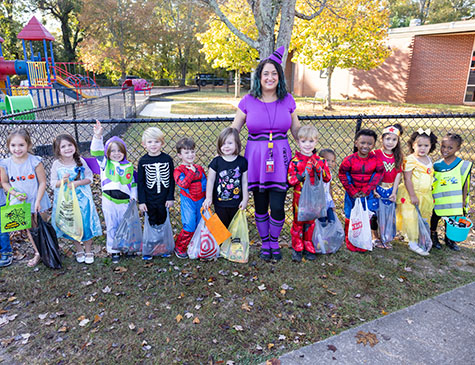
(439, 69)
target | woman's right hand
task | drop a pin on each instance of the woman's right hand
(98, 130)
(414, 200)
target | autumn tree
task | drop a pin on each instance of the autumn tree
(10, 11)
(66, 13)
(224, 49)
(352, 35)
(273, 19)
(117, 31)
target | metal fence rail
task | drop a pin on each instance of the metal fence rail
(336, 132)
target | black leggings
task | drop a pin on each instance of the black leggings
(434, 221)
(276, 199)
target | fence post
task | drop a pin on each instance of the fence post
(125, 100)
(109, 106)
(74, 111)
(134, 105)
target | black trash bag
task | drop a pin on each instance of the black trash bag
(47, 243)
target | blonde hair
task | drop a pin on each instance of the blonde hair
(308, 132)
(153, 133)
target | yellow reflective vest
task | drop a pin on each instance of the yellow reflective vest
(447, 189)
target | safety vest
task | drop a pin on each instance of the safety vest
(447, 189)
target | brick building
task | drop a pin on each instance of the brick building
(429, 64)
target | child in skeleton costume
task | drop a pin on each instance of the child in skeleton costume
(117, 182)
(191, 179)
(155, 182)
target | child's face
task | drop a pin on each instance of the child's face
(421, 146)
(115, 154)
(229, 146)
(364, 145)
(448, 148)
(390, 141)
(153, 146)
(331, 160)
(307, 145)
(66, 149)
(187, 156)
(18, 146)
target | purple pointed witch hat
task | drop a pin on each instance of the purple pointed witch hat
(277, 55)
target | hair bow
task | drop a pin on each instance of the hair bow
(422, 131)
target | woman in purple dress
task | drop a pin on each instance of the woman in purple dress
(269, 112)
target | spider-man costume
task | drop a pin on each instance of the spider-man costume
(301, 232)
(358, 174)
(192, 194)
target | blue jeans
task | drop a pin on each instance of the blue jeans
(5, 246)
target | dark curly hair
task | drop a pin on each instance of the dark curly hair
(432, 137)
(365, 132)
(256, 89)
(455, 137)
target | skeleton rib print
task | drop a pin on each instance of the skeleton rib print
(158, 173)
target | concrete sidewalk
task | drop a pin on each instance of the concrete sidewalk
(440, 330)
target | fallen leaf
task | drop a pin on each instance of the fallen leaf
(259, 348)
(366, 338)
(81, 318)
(49, 322)
(63, 329)
(217, 295)
(270, 345)
(282, 291)
(408, 269)
(282, 337)
(120, 269)
(42, 316)
(7, 341)
(147, 303)
(188, 315)
(97, 318)
(410, 321)
(196, 320)
(382, 276)
(11, 299)
(3, 311)
(331, 348)
(69, 294)
(238, 328)
(261, 287)
(273, 362)
(285, 287)
(400, 279)
(178, 318)
(383, 312)
(106, 289)
(246, 307)
(131, 326)
(140, 330)
(84, 322)
(331, 292)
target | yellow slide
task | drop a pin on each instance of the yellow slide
(3, 87)
(71, 87)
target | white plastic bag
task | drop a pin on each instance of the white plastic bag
(202, 244)
(128, 237)
(157, 240)
(359, 231)
(312, 201)
(328, 236)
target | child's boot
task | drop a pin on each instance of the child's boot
(451, 244)
(435, 240)
(309, 249)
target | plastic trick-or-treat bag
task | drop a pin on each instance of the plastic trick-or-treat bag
(359, 232)
(47, 243)
(68, 213)
(157, 240)
(328, 236)
(203, 244)
(387, 220)
(15, 217)
(128, 237)
(424, 241)
(236, 247)
(312, 201)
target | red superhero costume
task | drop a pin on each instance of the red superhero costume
(358, 174)
(192, 193)
(302, 232)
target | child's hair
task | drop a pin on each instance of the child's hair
(57, 147)
(22, 132)
(185, 143)
(421, 133)
(365, 132)
(455, 137)
(308, 132)
(119, 145)
(397, 151)
(153, 133)
(225, 133)
(326, 151)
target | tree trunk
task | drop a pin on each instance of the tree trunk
(328, 98)
(237, 84)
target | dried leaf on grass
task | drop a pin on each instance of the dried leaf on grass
(196, 320)
(178, 318)
(273, 361)
(331, 348)
(246, 307)
(366, 338)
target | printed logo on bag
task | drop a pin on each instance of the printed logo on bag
(209, 247)
(356, 228)
(16, 218)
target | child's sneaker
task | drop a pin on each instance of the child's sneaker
(146, 257)
(6, 259)
(115, 258)
(309, 256)
(166, 255)
(89, 258)
(413, 246)
(80, 257)
(181, 255)
(296, 256)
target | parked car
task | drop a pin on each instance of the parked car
(208, 79)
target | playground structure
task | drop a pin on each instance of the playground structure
(46, 79)
(138, 85)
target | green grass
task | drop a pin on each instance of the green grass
(203, 108)
(322, 298)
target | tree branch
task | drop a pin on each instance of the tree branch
(321, 7)
(214, 5)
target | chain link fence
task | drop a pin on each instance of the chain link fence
(336, 132)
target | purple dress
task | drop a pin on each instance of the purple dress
(261, 119)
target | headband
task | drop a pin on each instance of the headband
(392, 130)
(422, 131)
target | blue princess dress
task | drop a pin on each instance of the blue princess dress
(90, 218)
